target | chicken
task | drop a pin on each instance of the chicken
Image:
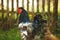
(25, 26)
(23, 15)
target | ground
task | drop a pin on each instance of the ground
(13, 34)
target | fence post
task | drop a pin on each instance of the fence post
(32, 9)
(23, 3)
(43, 7)
(2, 11)
(38, 6)
(28, 5)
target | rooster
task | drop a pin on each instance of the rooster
(24, 24)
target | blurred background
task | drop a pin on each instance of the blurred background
(9, 14)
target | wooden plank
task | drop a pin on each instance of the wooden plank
(28, 5)
(7, 7)
(38, 6)
(43, 5)
(2, 10)
(12, 7)
(32, 9)
(23, 3)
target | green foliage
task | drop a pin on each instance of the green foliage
(12, 34)
(58, 18)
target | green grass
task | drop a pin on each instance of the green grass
(58, 29)
(12, 34)
(58, 35)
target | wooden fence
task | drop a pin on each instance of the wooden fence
(8, 8)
